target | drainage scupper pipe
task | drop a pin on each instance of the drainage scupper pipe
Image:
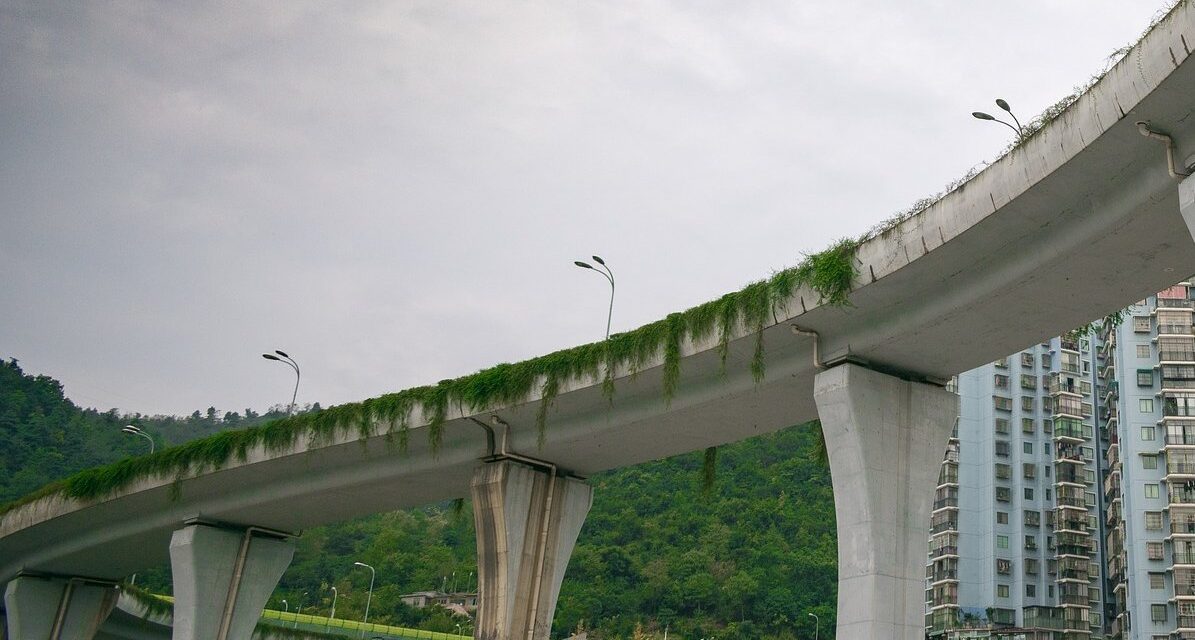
(238, 573)
(817, 362)
(1144, 129)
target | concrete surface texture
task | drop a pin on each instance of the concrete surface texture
(886, 438)
(206, 565)
(527, 523)
(56, 608)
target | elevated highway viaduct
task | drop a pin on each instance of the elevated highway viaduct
(1081, 219)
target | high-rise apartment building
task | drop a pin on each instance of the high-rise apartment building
(1014, 547)
(1146, 367)
(1066, 502)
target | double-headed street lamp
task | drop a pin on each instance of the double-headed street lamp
(135, 431)
(369, 598)
(281, 356)
(1003, 105)
(608, 275)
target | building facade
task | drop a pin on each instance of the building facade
(1066, 502)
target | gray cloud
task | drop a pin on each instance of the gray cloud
(394, 191)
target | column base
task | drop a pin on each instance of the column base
(34, 606)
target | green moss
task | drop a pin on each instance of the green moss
(153, 605)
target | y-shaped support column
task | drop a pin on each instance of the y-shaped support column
(57, 608)
(527, 522)
(223, 578)
(886, 438)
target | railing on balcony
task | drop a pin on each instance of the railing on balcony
(1180, 467)
(949, 501)
(938, 552)
(1186, 622)
(1184, 438)
(1175, 303)
(1182, 524)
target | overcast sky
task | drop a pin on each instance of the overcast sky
(394, 192)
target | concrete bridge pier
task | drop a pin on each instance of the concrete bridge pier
(886, 438)
(57, 608)
(223, 578)
(528, 518)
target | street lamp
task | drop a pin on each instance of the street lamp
(817, 623)
(281, 356)
(607, 274)
(134, 431)
(333, 616)
(372, 575)
(285, 607)
(299, 611)
(1000, 102)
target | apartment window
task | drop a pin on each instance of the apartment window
(1029, 470)
(1031, 565)
(1145, 377)
(1026, 403)
(1046, 468)
(1030, 591)
(1028, 381)
(1000, 380)
(1151, 490)
(1001, 517)
(1089, 498)
(1143, 351)
(1002, 542)
(1003, 566)
(1005, 404)
(1047, 492)
(1003, 494)
(1157, 580)
(1031, 542)
(1153, 520)
(1003, 362)
(1149, 462)
(1027, 447)
(1050, 591)
(1141, 324)
(1086, 408)
(1157, 612)
(1002, 425)
(1147, 434)
(1027, 425)
(1002, 448)
(1001, 592)
(1032, 518)
(1145, 405)
(1047, 425)
(1153, 550)
(1087, 453)
(1003, 471)
(1028, 493)
(1045, 360)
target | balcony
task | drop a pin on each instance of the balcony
(1183, 439)
(1186, 622)
(942, 552)
(1175, 303)
(1182, 525)
(946, 503)
(1179, 468)
(1175, 329)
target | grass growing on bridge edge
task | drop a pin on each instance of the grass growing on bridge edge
(830, 273)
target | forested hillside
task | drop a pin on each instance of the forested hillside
(749, 559)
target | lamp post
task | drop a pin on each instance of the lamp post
(299, 611)
(1000, 102)
(135, 431)
(285, 607)
(817, 623)
(369, 598)
(608, 275)
(332, 617)
(281, 356)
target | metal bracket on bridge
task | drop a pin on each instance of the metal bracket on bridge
(241, 528)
